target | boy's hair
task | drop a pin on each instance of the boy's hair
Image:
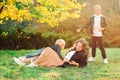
(59, 42)
(97, 6)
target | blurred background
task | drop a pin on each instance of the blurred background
(30, 34)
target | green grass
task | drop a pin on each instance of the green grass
(9, 70)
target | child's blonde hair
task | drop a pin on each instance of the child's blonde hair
(97, 6)
(59, 42)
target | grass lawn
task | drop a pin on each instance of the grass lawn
(9, 70)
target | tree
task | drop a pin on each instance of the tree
(119, 6)
(116, 5)
(46, 11)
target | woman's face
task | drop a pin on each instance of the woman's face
(79, 46)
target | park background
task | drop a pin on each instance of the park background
(26, 27)
(30, 34)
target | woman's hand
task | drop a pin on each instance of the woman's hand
(74, 63)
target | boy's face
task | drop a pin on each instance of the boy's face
(62, 46)
(97, 11)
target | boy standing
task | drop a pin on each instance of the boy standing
(97, 24)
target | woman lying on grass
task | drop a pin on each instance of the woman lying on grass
(77, 55)
(49, 56)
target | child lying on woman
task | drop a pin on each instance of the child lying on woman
(49, 56)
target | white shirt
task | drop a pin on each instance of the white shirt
(70, 54)
(97, 25)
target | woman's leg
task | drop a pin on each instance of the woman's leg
(47, 58)
(45, 51)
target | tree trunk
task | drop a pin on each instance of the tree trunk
(34, 3)
(119, 6)
(116, 5)
(35, 19)
(1, 8)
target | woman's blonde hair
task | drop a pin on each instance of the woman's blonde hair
(84, 43)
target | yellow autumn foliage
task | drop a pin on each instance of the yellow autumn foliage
(48, 11)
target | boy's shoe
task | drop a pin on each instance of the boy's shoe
(18, 61)
(32, 65)
(105, 61)
(91, 59)
(22, 58)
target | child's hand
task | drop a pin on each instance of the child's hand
(101, 29)
(78, 30)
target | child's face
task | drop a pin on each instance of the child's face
(97, 11)
(62, 46)
(79, 46)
